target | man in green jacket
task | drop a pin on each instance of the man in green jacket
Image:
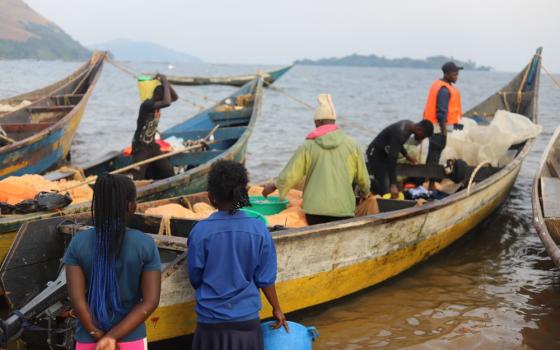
(332, 163)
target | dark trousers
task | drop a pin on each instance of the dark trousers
(437, 144)
(378, 166)
(379, 177)
(321, 219)
(160, 169)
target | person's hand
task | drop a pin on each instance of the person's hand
(280, 320)
(394, 190)
(106, 343)
(268, 189)
(412, 160)
(97, 334)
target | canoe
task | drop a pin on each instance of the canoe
(42, 132)
(546, 198)
(269, 78)
(230, 142)
(316, 264)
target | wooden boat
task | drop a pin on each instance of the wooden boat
(546, 198)
(269, 78)
(39, 135)
(230, 142)
(316, 264)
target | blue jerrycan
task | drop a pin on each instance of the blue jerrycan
(299, 338)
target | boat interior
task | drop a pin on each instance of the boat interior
(49, 109)
(550, 191)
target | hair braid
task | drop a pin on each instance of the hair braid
(112, 194)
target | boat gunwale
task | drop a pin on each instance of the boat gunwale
(538, 217)
(96, 59)
(233, 80)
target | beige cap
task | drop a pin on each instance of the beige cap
(325, 110)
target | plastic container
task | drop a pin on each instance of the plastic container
(254, 214)
(299, 337)
(267, 206)
(146, 87)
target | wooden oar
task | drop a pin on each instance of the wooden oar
(202, 142)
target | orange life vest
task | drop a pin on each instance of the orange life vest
(454, 111)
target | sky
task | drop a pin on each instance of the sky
(499, 33)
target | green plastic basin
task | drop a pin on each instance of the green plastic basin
(267, 206)
(254, 214)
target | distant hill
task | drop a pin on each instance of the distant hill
(433, 62)
(26, 34)
(127, 50)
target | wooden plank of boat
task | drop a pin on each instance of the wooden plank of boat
(230, 142)
(545, 199)
(321, 263)
(269, 78)
(43, 131)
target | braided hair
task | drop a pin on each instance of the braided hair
(111, 197)
(227, 182)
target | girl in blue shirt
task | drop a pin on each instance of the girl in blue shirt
(230, 257)
(113, 272)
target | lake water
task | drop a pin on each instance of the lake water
(493, 289)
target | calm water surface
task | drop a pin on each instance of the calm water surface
(493, 289)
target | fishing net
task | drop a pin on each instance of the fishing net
(476, 144)
(16, 189)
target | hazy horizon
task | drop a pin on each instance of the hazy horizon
(502, 34)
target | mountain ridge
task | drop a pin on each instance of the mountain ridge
(25, 34)
(143, 51)
(432, 62)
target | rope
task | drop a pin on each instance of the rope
(551, 76)
(165, 226)
(303, 103)
(135, 76)
(345, 122)
(9, 91)
(473, 175)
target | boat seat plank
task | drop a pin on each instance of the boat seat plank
(49, 109)
(67, 99)
(553, 163)
(222, 133)
(550, 189)
(437, 172)
(553, 226)
(194, 158)
(236, 117)
(25, 127)
(388, 205)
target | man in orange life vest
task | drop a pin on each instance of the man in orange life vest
(443, 109)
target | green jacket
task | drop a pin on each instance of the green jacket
(331, 164)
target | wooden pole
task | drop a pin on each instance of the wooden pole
(203, 142)
(7, 139)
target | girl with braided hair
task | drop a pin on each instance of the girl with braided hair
(113, 272)
(230, 257)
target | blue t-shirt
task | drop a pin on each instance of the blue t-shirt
(138, 254)
(229, 258)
